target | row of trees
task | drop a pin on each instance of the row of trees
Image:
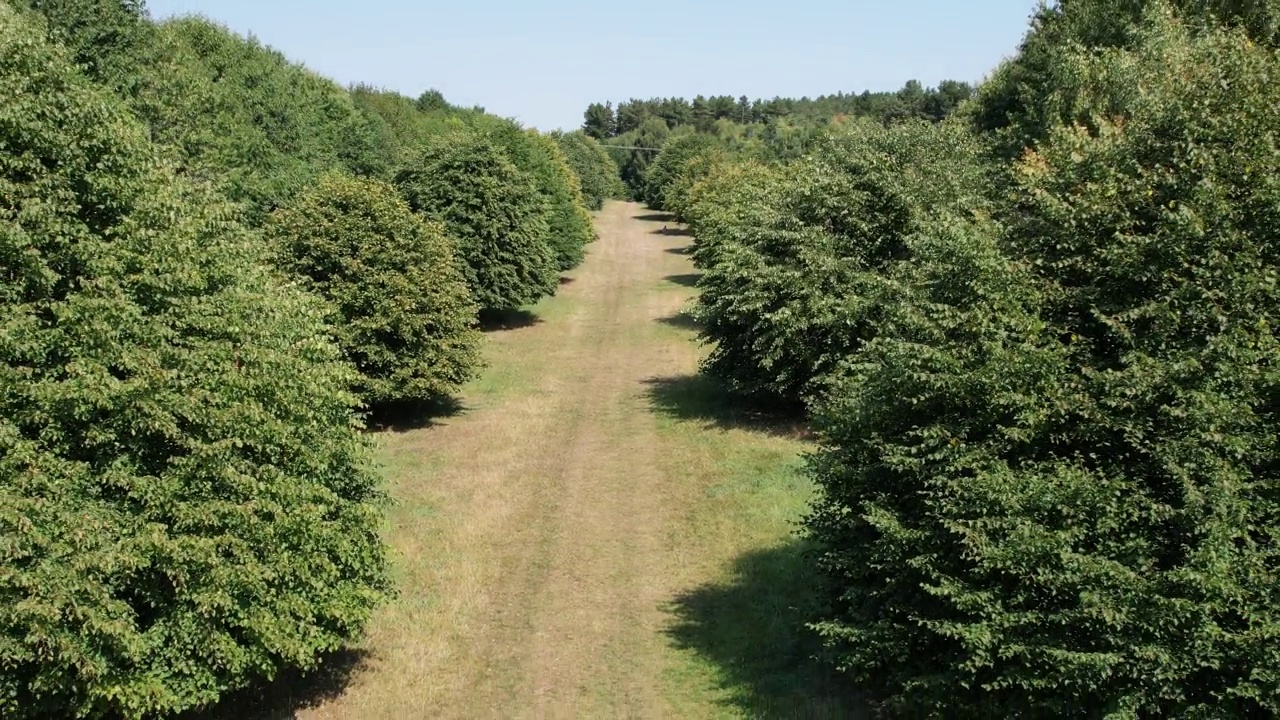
(1037, 342)
(215, 263)
(774, 131)
(913, 100)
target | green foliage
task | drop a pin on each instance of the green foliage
(645, 141)
(404, 316)
(243, 117)
(1050, 481)
(597, 173)
(1020, 103)
(403, 124)
(680, 195)
(598, 121)
(107, 39)
(668, 165)
(913, 101)
(492, 209)
(186, 502)
(783, 297)
(568, 223)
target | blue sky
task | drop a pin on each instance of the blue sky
(542, 63)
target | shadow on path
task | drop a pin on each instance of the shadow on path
(704, 399)
(413, 415)
(291, 692)
(682, 320)
(655, 217)
(684, 280)
(677, 232)
(751, 628)
(686, 250)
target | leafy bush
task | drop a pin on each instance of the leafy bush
(569, 226)
(1049, 484)
(596, 171)
(186, 502)
(404, 315)
(783, 300)
(668, 165)
(493, 210)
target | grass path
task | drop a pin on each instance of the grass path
(597, 533)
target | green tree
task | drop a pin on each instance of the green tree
(404, 316)
(1048, 486)
(431, 101)
(596, 171)
(786, 297)
(648, 141)
(568, 224)
(599, 122)
(1021, 101)
(668, 165)
(493, 210)
(186, 500)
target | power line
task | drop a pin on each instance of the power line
(631, 147)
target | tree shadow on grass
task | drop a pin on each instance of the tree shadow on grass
(291, 692)
(681, 320)
(655, 217)
(566, 280)
(752, 629)
(704, 399)
(684, 280)
(412, 415)
(499, 320)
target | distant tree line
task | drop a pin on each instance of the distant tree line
(604, 120)
(777, 129)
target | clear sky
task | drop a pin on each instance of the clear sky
(542, 63)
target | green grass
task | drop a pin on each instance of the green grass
(739, 641)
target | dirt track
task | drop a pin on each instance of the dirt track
(589, 537)
(550, 558)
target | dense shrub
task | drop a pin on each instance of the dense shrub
(186, 502)
(669, 164)
(1020, 103)
(1049, 484)
(681, 192)
(242, 116)
(597, 174)
(783, 300)
(107, 39)
(493, 210)
(569, 226)
(404, 315)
